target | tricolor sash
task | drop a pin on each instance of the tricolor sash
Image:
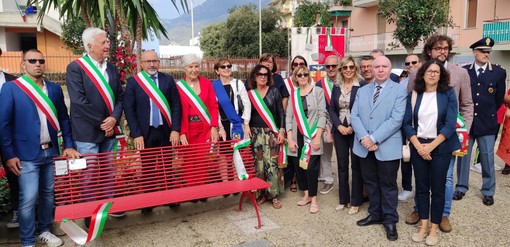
(99, 81)
(104, 89)
(267, 116)
(304, 128)
(289, 85)
(238, 160)
(43, 103)
(462, 134)
(97, 222)
(196, 103)
(327, 85)
(155, 94)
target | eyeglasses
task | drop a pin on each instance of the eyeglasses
(150, 61)
(298, 64)
(33, 61)
(262, 74)
(350, 67)
(331, 66)
(226, 66)
(366, 67)
(432, 72)
(409, 63)
(441, 49)
(302, 74)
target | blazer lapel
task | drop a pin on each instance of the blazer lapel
(384, 91)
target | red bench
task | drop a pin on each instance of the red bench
(153, 177)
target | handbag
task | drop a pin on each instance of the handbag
(328, 135)
(240, 106)
(406, 152)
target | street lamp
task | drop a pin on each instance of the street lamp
(260, 28)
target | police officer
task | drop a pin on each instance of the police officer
(488, 91)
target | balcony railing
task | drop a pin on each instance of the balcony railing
(499, 30)
(385, 41)
(365, 3)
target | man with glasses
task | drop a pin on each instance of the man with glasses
(154, 121)
(326, 174)
(488, 89)
(32, 112)
(365, 66)
(412, 64)
(438, 47)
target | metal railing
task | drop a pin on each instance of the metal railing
(499, 30)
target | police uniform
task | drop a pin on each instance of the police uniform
(488, 90)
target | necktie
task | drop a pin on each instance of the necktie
(377, 91)
(480, 73)
(154, 109)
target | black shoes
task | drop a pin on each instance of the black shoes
(147, 210)
(457, 195)
(488, 200)
(391, 231)
(369, 220)
(506, 170)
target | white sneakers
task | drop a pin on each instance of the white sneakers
(404, 195)
(49, 239)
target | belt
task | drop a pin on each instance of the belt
(425, 140)
(46, 145)
(194, 119)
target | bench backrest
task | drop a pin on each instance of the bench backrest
(132, 172)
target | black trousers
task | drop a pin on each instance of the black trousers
(380, 180)
(343, 148)
(14, 187)
(307, 179)
(430, 176)
(155, 138)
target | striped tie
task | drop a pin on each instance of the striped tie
(377, 91)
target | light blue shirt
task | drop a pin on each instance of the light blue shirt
(152, 104)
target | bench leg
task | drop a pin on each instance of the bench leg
(251, 195)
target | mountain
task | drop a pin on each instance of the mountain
(211, 11)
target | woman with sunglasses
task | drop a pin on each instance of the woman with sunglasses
(305, 120)
(267, 124)
(289, 172)
(342, 99)
(234, 104)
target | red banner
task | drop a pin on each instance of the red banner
(337, 42)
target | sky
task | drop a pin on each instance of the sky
(166, 9)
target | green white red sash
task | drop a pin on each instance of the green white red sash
(155, 94)
(97, 222)
(289, 85)
(43, 103)
(99, 81)
(268, 118)
(462, 134)
(327, 85)
(304, 128)
(238, 160)
(106, 93)
(196, 103)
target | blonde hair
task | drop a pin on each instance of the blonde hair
(301, 69)
(340, 77)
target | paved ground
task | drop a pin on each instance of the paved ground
(216, 223)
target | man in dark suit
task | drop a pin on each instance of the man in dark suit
(488, 89)
(149, 125)
(11, 177)
(376, 118)
(32, 112)
(96, 97)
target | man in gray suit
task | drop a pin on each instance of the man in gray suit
(376, 118)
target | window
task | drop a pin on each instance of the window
(471, 13)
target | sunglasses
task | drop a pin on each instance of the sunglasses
(302, 75)
(226, 66)
(298, 64)
(332, 66)
(262, 74)
(350, 67)
(33, 61)
(409, 63)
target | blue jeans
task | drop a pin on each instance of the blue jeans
(448, 192)
(486, 158)
(97, 190)
(36, 185)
